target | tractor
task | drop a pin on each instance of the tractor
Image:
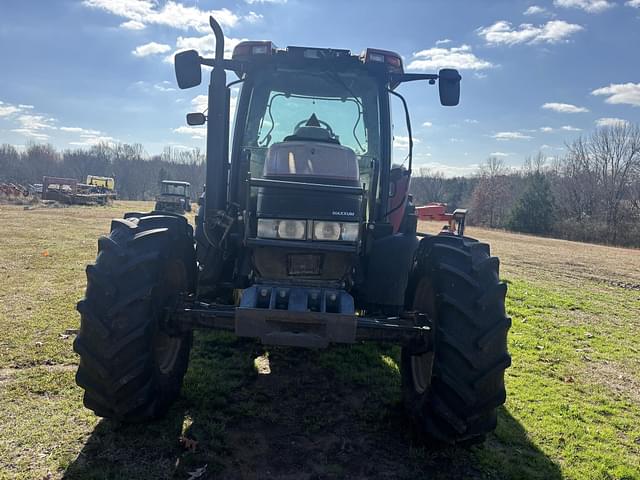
(306, 236)
(175, 197)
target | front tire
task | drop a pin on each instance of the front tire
(452, 391)
(131, 368)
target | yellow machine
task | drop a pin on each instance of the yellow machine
(106, 183)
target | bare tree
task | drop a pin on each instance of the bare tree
(492, 198)
(601, 173)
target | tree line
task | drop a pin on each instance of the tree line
(137, 175)
(591, 194)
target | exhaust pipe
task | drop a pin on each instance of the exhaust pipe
(217, 137)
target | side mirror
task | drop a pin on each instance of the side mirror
(188, 70)
(196, 119)
(449, 87)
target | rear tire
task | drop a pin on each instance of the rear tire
(452, 390)
(131, 368)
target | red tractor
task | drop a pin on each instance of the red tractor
(306, 236)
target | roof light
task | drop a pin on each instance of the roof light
(391, 60)
(253, 49)
(316, 53)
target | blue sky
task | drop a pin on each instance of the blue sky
(536, 74)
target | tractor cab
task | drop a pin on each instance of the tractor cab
(307, 184)
(174, 197)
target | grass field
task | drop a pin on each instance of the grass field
(573, 409)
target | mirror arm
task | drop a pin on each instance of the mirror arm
(412, 77)
(235, 65)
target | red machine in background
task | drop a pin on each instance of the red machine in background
(438, 212)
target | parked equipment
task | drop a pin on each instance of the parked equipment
(438, 212)
(104, 184)
(71, 192)
(175, 197)
(306, 236)
(13, 190)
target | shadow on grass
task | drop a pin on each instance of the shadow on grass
(317, 414)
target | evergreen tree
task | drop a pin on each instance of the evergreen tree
(533, 212)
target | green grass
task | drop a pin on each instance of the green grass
(573, 409)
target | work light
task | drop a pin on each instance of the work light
(327, 231)
(285, 229)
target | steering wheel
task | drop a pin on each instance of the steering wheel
(321, 122)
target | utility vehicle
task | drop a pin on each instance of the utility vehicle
(175, 197)
(305, 237)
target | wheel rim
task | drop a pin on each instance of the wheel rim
(166, 348)
(420, 372)
(166, 351)
(421, 364)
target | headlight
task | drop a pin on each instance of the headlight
(326, 230)
(345, 231)
(297, 230)
(292, 229)
(286, 229)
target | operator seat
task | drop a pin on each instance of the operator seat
(313, 131)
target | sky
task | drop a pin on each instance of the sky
(536, 74)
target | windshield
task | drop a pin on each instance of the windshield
(346, 104)
(171, 189)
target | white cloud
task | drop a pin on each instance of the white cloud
(633, 3)
(471, 120)
(38, 135)
(164, 86)
(198, 132)
(151, 48)
(499, 154)
(171, 14)
(427, 124)
(253, 17)
(443, 41)
(80, 130)
(534, 10)
(205, 45)
(199, 103)
(564, 107)
(511, 136)
(456, 57)
(39, 127)
(91, 140)
(610, 122)
(546, 129)
(133, 25)
(591, 6)
(626, 93)
(569, 128)
(6, 109)
(35, 126)
(429, 168)
(253, 2)
(502, 32)
(403, 142)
